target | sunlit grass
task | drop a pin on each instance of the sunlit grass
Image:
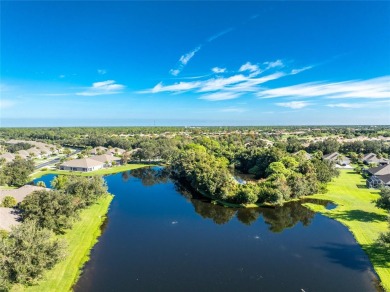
(103, 171)
(81, 238)
(356, 210)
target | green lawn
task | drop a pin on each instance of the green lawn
(81, 238)
(356, 210)
(103, 171)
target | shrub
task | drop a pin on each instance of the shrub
(9, 202)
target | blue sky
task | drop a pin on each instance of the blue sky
(217, 63)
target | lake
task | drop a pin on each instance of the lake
(160, 237)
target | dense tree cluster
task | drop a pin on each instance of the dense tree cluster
(16, 173)
(26, 253)
(384, 202)
(283, 176)
(13, 148)
(30, 248)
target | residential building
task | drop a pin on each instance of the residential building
(84, 164)
(372, 158)
(379, 176)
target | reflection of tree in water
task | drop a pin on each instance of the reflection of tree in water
(287, 216)
(219, 214)
(150, 175)
(248, 215)
(278, 218)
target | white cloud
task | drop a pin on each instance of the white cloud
(102, 71)
(184, 59)
(218, 70)
(296, 71)
(254, 69)
(233, 110)
(274, 64)
(346, 105)
(102, 88)
(6, 103)
(62, 76)
(294, 104)
(221, 83)
(220, 96)
(210, 39)
(177, 87)
(371, 88)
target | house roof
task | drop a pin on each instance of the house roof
(83, 163)
(116, 150)
(371, 157)
(8, 156)
(380, 170)
(23, 153)
(331, 156)
(105, 158)
(20, 193)
(98, 149)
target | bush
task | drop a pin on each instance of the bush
(9, 202)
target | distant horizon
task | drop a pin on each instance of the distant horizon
(51, 123)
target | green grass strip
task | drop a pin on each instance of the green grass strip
(81, 238)
(357, 211)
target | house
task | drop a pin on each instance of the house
(373, 158)
(33, 152)
(20, 193)
(8, 157)
(106, 159)
(337, 158)
(98, 150)
(23, 153)
(84, 164)
(115, 151)
(331, 157)
(379, 176)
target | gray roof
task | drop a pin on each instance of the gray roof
(372, 158)
(20, 193)
(83, 163)
(380, 170)
(331, 156)
(8, 217)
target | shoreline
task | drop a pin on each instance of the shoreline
(357, 212)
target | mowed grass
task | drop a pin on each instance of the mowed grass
(111, 170)
(81, 238)
(356, 210)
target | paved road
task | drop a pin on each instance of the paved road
(54, 161)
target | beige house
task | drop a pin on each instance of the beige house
(106, 159)
(115, 151)
(8, 157)
(84, 164)
(98, 150)
(20, 193)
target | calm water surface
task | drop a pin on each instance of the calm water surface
(159, 237)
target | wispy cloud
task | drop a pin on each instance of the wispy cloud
(102, 88)
(218, 70)
(346, 105)
(210, 39)
(294, 104)
(184, 59)
(102, 71)
(274, 64)
(371, 88)
(218, 96)
(233, 110)
(253, 69)
(5, 103)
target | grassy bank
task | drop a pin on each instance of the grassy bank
(103, 171)
(356, 210)
(81, 238)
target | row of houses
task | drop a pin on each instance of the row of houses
(370, 158)
(92, 163)
(39, 150)
(378, 176)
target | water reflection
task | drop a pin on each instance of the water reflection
(278, 218)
